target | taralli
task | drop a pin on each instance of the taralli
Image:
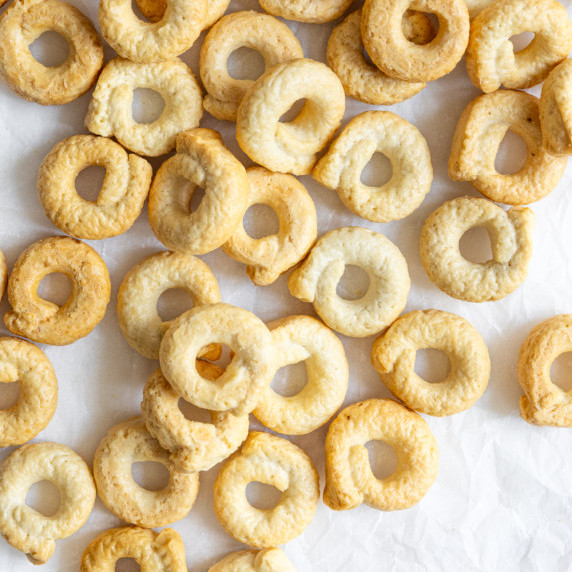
(305, 339)
(110, 109)
(312, 11)
(480, 131)
(491, 60)
(154, 10)
(144, 42)
(153, 551)
(3, 273)
(349, 478)
(316, 280)
(23, 363)
(194, 446)
(378, 132)
(268, 257)
(393, 356)
(120, 200)
(22, 526)
(254, 363)
(43, 321)
(142, 287)
(393, 53)
(261, 32)
(477, 6)
(128, 443)
(545, 403)
(203, 161)
(267, 560)
(511, 243)
(290, 147)
(23, 22)
(274, 461)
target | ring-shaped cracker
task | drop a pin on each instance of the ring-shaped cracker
(267, 560)
(393, 356)
(401, 142)
(23, 22)
(491, 60)
(290, 147)
(478, 136)
(142, 287)
(270, 256)
(120, 199)
(110, 109)
(394, 54)
(511, 244)
(154, 10)
(25, 528)
(316, 280)
(349, 478)
(274, 461)
(127, 443)
(312, 11)
(3, 274)
(43, 321)
(248, 29)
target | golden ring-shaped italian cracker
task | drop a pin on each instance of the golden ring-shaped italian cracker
(120, 200)
(254, 363)
(144, 42)
(22, 526)
(511, 244)
(290, 147)
(154, 10)
(194, 446)
(307, 340)
(154, 551)
(394, 54)
(480, 131)
(349, 478)
(3, 274)
(545, 403)
(23, 22)
(491, 60)
(43, 321)
(203, 161)
(316, 280)
(401, 142)
(142, 287)
(267, 560)
(312, 11)
(248, 29)
(393, 356)
(274, 461)
(110, 109)
(27, 365)
(128, 443)
(268, 257)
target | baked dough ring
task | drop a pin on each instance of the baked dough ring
(239, 388)
(267, 560)
(27, 365)
(480, 131)
(153, 551)
(154, 10)
(194, 446)
(142, 287)
(401, 142)
(268, 257)
(128, 443)
(248, 29)
(312, 11)
(511, 243)
(43, 321)
(491, 61)
(316, 280)
(393, 356)
(201, 160)
(274, 461)
(110, 109)
(3, 274)
(290, 147)
(144, 42)
(22, 526)
(120, 200)
(349, 478)
(23, 22)
(394, 54)
(545, 403)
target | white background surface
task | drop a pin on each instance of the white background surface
(502, 500)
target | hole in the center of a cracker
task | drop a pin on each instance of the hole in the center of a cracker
(195, 199)
(260, 221)
(193, 413)
(44, 497)
(50, 49)
(150, 475)
(225, 358)
(521, 41)
(292, 113)
(377, 172)
(147, 106)
(172, 303)
(432, 365)
(475, 245)
(561, 371)
(127, 565)
(245, 63)
(290, 380)
(9, 394)
(56, 287)
(354, 283)
(511, 155)
(89, 181)
(382, 458)
(262, 496)
(420, 28)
